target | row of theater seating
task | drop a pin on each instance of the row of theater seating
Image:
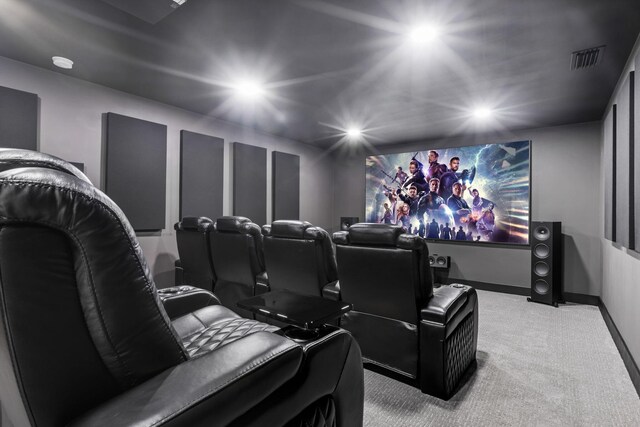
(404, 328)
(86, 341)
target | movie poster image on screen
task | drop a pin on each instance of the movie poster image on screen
(479, 193)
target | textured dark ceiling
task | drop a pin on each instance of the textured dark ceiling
(330, 65)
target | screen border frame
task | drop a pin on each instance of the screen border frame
(465, 242)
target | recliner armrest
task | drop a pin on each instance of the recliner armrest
(181, 300)
(213, 389)
(262, 283)
(445, 303)
(332, 291)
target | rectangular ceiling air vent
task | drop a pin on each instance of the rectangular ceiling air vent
(587, 58)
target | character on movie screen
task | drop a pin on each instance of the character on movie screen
(487, 201)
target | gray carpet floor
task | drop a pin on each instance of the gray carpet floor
(537, 366)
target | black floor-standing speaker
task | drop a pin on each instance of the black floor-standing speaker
(546, 262)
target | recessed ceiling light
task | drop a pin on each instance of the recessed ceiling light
(423, 34)
(482, 113)
(179, 2)
(62, 62)
(354, 133)
(249, 89)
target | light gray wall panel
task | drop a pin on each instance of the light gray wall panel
(286, 186)
(250, 182)
(609, 167)
(18, 119)
(623, 167)
(201, 175)
(621, 268)
(136, 170)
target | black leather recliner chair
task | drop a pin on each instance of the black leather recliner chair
(85, 341)
(405, 329)
(299, 257)
(192, 237)
(238, 260)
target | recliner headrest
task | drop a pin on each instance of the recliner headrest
(292, 229)
(374, 234)
(411, 242)
(237, 224)
(340, 238)
(13, 158)
(194, 223)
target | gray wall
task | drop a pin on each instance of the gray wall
(620, 266)
(71, 128)
(565, 187)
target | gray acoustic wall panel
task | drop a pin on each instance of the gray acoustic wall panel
(250, 182)
(136, 169)
(623, 166)
(610, 175)
(286, 186)
(201, 175)
(18, 119)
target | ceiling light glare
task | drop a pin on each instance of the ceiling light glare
(354, 133)
(483, 113)
(423, 34)
(62, 62)
(249, 90)
(179, 2)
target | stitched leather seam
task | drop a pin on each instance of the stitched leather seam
(92, 287)
(114, 217)
(235, 328)
(148, 287)
(206, 329)
(249, 368)
(98, 306)
(40, 164)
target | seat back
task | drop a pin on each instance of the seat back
(237, 254)
(385, 275)
(80, 317)
(13, 158)
(299, 257)
(192, 236)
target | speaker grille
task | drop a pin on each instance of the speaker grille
(541, 233)
(541, 269)
(541, 287)
(541, 250)
(546, 262)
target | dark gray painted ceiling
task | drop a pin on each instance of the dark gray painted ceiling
(333, 64)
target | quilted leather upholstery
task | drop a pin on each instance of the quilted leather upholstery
(460, 352)
(221, 333)
(321, 414)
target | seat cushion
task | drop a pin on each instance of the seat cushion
(211, 327)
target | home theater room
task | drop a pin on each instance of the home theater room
(322, 213)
